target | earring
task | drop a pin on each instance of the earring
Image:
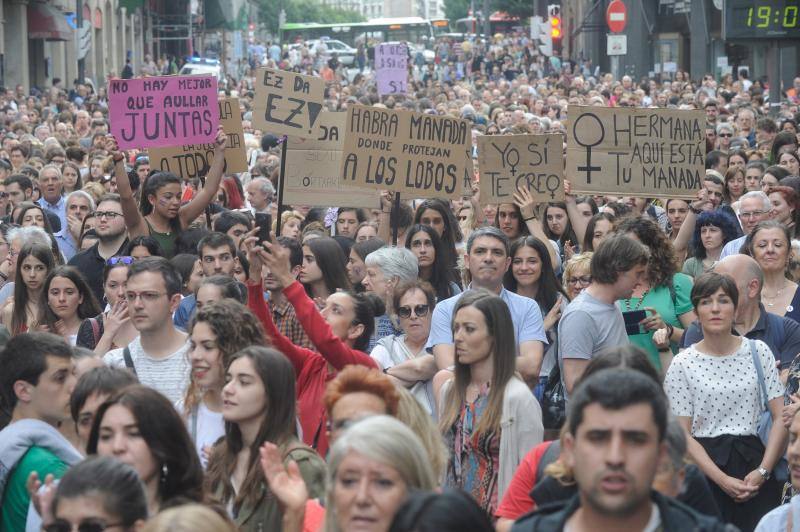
(164, 473)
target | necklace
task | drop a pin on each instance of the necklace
(776, 296)
(639, 304)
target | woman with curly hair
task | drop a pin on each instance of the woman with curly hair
(712, 231)
(217, 332)
(664, 294)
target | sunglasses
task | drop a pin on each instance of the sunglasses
(113, 261)
(725, 135)
(87, 525)
(419, 310)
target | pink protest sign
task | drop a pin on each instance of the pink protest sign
(391, 65)
(163, 111)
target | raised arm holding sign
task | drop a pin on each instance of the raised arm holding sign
(161, 213)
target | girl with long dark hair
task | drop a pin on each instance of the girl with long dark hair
(437, 214)
(160, 212)
(66, 301)
(34, 263)
(324, 268)
(425, 244)
(258, 407)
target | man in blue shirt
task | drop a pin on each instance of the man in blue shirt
(488, 259)
(51, 184)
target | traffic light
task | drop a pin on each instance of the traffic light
(556, 32)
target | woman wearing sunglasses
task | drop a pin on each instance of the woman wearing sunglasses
(404, 357)
(100, 493)
(110, 329)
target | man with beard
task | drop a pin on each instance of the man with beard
(614, 446)
(112, 235)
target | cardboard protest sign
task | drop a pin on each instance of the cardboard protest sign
(287, 103)
(391, 65)
(508, 162)
(636, 152)
(194, 160)
(163, 111)
(419, 154)
(312, 169)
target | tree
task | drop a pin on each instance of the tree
(456, 9)
(304, 11)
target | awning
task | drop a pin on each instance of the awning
(48, 23)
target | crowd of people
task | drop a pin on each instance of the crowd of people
(601, 363)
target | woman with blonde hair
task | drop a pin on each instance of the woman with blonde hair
(577, 274)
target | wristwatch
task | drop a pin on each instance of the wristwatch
(764, 473)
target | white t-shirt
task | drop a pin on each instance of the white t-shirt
(391, 351)
(168, 375)
(204, 426)
(721, 394)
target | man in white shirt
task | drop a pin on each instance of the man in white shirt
(754, 207)
(158, 355)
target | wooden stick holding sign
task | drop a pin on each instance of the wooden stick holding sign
(511, 162)
(281, 182)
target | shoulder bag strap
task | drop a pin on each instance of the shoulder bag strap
(126, 354)
(759, 371)
(95, 330)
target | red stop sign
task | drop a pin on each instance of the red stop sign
(616, 16)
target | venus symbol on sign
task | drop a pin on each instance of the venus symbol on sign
(588, 142)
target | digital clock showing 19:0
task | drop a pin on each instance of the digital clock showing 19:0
(761, 19)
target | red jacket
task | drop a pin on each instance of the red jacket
(310, 366)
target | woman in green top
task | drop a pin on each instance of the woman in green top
(712, 230)
(162, 216)
(664, 295)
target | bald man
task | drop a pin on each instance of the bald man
(781, 334)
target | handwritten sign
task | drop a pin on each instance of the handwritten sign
(287, 103)
(163, 111)
(391, 64)
(508, 162)
(420, 154)
(194, 160)
(312, 169)
(637, 152)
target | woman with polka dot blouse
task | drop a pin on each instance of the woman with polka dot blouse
(713, 388)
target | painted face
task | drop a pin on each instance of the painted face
(167, 200)
(119, 437)
(366, 493)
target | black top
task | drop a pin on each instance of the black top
(91, 265)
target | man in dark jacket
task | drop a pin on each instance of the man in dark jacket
(614, 445)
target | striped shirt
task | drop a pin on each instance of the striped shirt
(168, 375)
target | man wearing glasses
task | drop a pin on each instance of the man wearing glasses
(113, 237)
(754, 207)
(158, 356)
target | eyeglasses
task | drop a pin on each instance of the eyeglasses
(113, 261)
(419, 310)
(107, 214)
(147, 297)
(584, 280)
(725, 135)
(746, 215)
(87, 525)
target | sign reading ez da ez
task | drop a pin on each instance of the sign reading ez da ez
(287, 103)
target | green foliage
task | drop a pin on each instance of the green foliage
(304, 11)
(456, 9)
(520, 8)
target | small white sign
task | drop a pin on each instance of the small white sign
(670, 67)
(616, 44)
(722, 62)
